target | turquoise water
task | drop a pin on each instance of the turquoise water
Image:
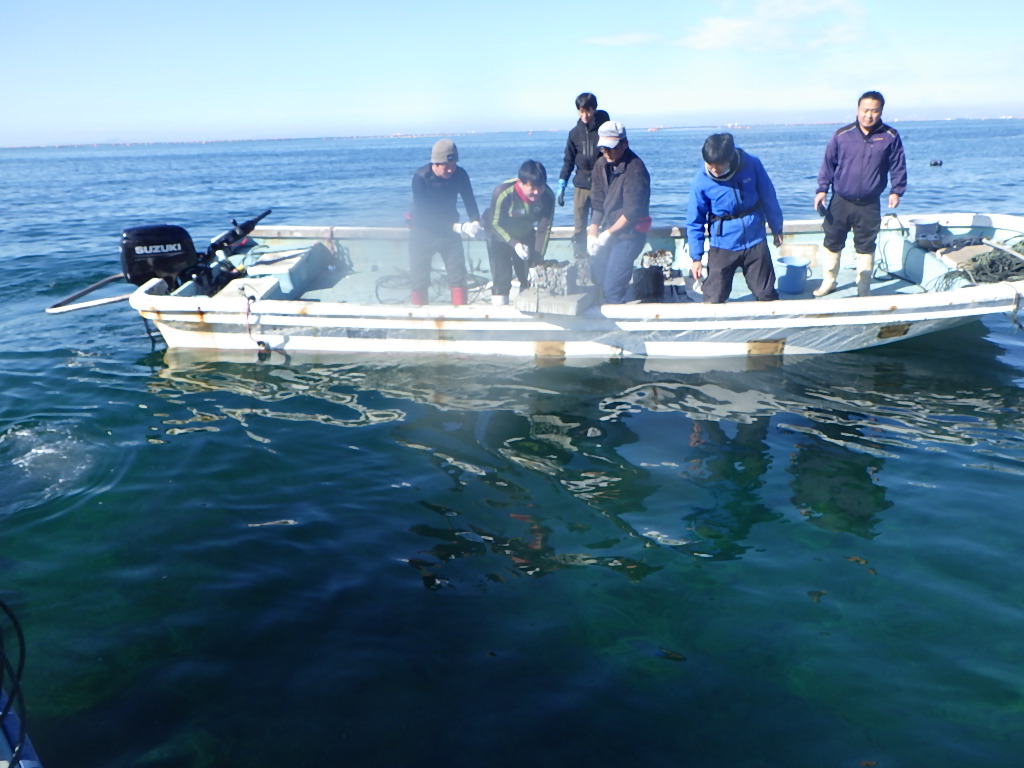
(455, 562)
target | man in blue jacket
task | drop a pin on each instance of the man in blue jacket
(730, 201)
(857, 160)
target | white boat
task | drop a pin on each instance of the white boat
(345, 290)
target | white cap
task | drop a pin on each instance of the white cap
(610, 134)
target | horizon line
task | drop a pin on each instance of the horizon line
(402, 135)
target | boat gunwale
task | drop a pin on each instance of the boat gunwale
(890, 222)
(972, 297)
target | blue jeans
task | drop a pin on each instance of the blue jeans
(613, 265)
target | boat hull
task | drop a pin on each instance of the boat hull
(263, 313)
(775, 328)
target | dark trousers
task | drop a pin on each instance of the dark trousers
(843, 215)
(422, 247)
(756, 263)
(612, 267)
(581, 218)
(505, 261)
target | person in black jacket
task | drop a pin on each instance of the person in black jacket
(581, 153)
(434, 221)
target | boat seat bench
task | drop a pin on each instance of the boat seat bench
(293, 270)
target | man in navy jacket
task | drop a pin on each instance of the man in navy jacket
(731, 199)
(858, 158)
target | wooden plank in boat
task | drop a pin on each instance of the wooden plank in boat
(958, 256)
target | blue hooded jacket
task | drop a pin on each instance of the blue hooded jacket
(746, 199)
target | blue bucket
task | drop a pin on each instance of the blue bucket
(793, 274)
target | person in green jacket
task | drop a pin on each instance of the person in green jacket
(518, 224)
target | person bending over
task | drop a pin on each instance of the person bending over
(518, 224)
(621, 197)
(730, 200)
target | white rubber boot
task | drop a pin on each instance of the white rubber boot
(865, 266)
(829, 273)
(498, 301)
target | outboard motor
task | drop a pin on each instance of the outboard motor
(166, 251)
(160, 250)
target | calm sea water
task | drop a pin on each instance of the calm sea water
(453, 562)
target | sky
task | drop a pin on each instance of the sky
(194, 70)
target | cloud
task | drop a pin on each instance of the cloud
(773, 25)
(628, 38)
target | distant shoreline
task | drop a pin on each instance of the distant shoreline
(354, 137)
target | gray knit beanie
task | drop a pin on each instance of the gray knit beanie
(444, 151)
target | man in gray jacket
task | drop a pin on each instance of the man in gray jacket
(621, 196)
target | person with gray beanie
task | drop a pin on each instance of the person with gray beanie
(434, 222)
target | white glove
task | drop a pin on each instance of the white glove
(592, 246)
(522, 251)
(457, 228)
(472, 229)
(603, 238)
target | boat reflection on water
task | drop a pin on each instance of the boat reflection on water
(835, 471)
(621, 464)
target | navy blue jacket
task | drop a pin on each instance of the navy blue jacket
(856, 166)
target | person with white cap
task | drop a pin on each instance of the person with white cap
(434, 221)
(621, 197)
